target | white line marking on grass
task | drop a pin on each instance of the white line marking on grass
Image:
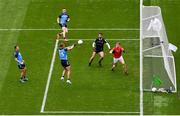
(87, 112)
(49, 77)
(141, 60)
(71, 29)
(107, 39)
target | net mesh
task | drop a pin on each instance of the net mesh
(158, 60)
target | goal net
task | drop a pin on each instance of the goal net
(158, 60)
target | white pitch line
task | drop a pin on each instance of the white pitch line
(87, 112)
(71, 29)
(49, 77)
(141, 61)
(108, 39)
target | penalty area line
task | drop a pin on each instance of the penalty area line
(107, 39)
(71, 29)
(49, 77)
(87, 112)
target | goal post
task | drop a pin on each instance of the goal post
(158, 61)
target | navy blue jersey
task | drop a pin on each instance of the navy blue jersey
(63, 18)
(99, 44)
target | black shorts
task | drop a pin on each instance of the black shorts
(21, 66)
(98, 50)
(65, 63)
(62, 25)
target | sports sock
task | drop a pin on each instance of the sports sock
(91, 61)
(101, 60)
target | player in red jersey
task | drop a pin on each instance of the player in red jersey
(117, 52)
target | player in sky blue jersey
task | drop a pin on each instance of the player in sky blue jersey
(21, 64)
(63, 51)
(62, 20)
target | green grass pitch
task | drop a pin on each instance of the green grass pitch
(95, 90)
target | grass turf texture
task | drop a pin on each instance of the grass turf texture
(94, 88)
(37, 49)
(166, 103)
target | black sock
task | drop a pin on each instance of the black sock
(101, 60)
(91, 61)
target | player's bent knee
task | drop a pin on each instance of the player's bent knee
(68, 68)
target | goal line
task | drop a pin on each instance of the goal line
(89, 112)
(119, 39)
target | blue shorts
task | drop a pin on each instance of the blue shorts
(21, 66)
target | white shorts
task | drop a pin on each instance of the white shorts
(65, 29)
(120, 59)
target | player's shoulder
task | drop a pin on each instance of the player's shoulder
(121, 48)
(16, 54)
(104, 39)
(62, 49)
(66, 49)
(96, 39)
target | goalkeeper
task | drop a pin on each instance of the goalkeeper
(98, 48)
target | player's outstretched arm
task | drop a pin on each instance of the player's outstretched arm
(108, 45)
(93, 44)
(71, 47)
(111, 51)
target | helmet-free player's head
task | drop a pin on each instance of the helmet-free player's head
(61, 45)
(64, 10)
(118, 44)
(100, 35)
(16, 47)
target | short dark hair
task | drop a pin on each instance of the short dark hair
(100, 33)
(15, 46)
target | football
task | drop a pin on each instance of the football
(80, 41)
(154, 89)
